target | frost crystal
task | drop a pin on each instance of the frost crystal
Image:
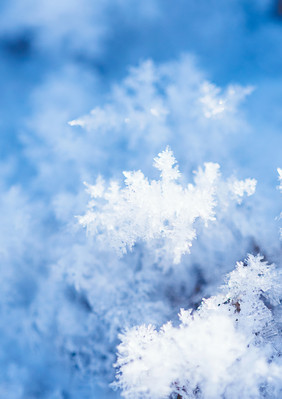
(162, 212)
(215, 103)
(222, 350)
(158, 104)
(241, 187)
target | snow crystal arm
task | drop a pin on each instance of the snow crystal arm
(161, 213)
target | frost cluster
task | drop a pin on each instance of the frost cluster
(162, 212)
(227, 348)
(153, 75)
(156, 103)
(216, 104)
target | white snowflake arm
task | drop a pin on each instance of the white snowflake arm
(161, 213)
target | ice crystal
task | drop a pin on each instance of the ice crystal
(225, 349)
(162, 212)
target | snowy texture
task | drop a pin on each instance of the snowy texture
(155, 104)
(224, 349)
(155, 75)
(161, 213)
(242, 187)
(216, 104)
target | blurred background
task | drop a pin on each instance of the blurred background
(61, 59)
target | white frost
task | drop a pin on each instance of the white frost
(221, 350)
(162, 213)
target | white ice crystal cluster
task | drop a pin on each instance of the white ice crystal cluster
(159, 104)
(225, 349)
(215, 103)
(162, 213)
